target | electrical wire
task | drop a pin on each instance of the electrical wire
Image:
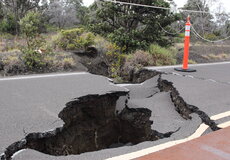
(207, 40)
(165, 8)
(171, 32)
(155, 7)
(140, 5)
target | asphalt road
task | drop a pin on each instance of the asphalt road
(208, 88)
(218, 72)
(32, 103)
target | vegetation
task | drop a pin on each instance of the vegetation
(162, 56)
(30, 28)
(132, 27)
(74, 39)
(42, 35)
(115, 59)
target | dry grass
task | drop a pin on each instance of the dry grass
(221, 56)
(53, 59)
(11, 63)
(192, 62)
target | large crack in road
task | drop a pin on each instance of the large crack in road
(90, 124)
(93, 122)
(182, 107)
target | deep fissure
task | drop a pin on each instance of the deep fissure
(182, 107)
(91, 123)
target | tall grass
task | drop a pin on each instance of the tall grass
(162, 56)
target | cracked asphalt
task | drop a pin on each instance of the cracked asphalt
(32, 105)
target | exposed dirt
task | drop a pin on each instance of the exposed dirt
(206, 53)
(91, 123)
(93, 118)
(183, 108)
(93, 61)
(96, 63)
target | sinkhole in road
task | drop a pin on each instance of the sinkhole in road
(91, 123)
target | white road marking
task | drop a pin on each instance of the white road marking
(224, 125)
(202, 128)
(221, 115)
(42, 76)
(191, 65)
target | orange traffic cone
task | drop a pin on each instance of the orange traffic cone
(186, 48)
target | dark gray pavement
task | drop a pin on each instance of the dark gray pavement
(217, 72)
(32, 104)
(139, 94)
(211, 97)
(208, 88)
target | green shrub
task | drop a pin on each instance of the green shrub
(134, 62)
(181, 35)
(59, 62)
(101, 44)
(178, 40)
(162, 56)
(6, 36)
(115, 59)
(14, 62)
(140, 58)
(85, 40)
(68, 63)
(8, 24)
(51, 28)
(128, 40)
(211, 37)
(190, 61)
(113, 56)
(33, 59)
(30, 27)
(12, 65)
(76, 38)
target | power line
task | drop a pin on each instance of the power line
(170, 32)
(192, 11)
(207, 40)
(140, 5)
(165, 8)
(155, 7)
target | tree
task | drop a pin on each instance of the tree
(222, 21)
(62, 13)
(1, 11)
(30, 27)
(8, 24)
(81, 11)
(201, 21)
(131, 27)
(19, 8)
(30, 24)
